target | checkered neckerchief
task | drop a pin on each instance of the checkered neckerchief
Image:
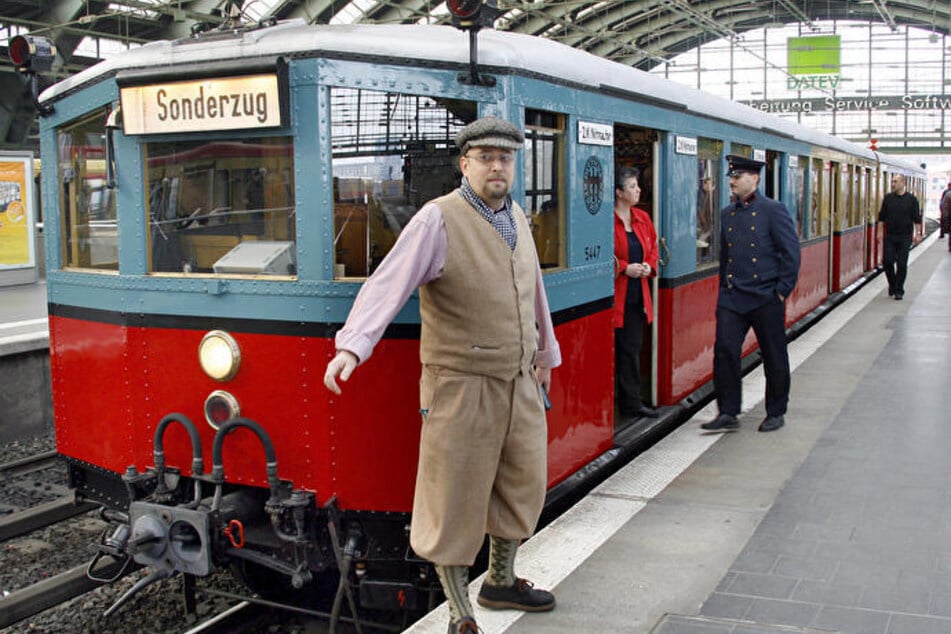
(502, 220)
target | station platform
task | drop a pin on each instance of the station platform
(838, 522)
(24, 326)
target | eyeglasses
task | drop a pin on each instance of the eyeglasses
(489, 159)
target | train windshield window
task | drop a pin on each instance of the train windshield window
(709, 182)
(90, 238)
(544, 189)
(223, 207)
(392, 153)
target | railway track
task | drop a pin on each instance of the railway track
(37, 516)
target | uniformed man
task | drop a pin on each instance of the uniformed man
(759, 265)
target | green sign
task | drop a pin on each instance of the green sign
(814, 55)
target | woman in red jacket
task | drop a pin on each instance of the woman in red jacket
(635, 260)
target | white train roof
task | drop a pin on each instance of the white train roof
(447, 44)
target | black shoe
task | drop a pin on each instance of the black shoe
(772, 423)
(723, 422)
(645, 412)
(521, 595)
(466, 625)
(891, 291)
(899, 296)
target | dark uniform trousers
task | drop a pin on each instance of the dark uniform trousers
(895, 250)
(768, 323)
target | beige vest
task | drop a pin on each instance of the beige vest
(479, 316)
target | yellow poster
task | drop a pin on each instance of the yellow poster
(16, 211)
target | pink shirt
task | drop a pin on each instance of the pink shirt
(418, 257)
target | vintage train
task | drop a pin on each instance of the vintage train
(213, 203)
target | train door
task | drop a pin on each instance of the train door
(865, 216)
(638, 148)
(835, 214)
(773, 184)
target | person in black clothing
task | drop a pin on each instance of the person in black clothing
(759, 267)
(945, 207)
(901, 216)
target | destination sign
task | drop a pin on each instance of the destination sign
(219, 103)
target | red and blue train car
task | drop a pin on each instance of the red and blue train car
(214, 203)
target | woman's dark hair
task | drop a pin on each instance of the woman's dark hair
(622, 174)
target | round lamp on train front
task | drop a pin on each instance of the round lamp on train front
(219, 355)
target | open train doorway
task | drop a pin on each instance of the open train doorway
(637, 148)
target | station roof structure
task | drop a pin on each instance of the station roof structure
(639, 33)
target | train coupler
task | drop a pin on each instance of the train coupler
(110, 545)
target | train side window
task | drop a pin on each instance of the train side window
(826, 193)
(799, 168)
(90, 237)
(224, 207)
(741, 149)
(815, 169)
(544, 184)
(392, 153)
(709, 181)
(842, 212)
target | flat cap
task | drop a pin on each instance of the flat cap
(741, 164)
(490, 132)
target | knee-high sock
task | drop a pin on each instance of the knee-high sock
(455, 585)
(501, 561)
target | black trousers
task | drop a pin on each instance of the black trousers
(768, 324)
(895, 259)
(627, 359)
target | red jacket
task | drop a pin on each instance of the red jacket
(644, 230)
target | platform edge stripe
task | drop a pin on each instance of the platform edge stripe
(15, 344)
(25, 324)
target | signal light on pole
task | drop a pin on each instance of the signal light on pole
(873, 145)
(472, 15)
(31, 53)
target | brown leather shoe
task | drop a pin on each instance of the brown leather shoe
(521, 595)
(465, 625)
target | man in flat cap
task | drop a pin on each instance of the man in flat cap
(759, 266)
(487, 346)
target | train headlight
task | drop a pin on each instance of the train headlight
(220, 407)
(31, 53)
(219, 355)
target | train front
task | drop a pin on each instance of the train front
(203, 245)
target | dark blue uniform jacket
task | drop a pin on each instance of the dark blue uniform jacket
(759, 254)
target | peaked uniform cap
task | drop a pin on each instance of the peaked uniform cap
(490, 132)
(741, 164)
